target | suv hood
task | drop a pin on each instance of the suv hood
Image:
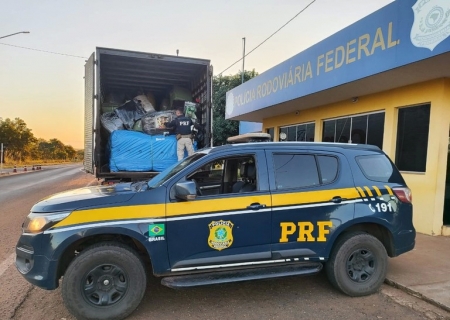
(85, 197)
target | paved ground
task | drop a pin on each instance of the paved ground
(424, 271)
(284, 299)
(18, 192)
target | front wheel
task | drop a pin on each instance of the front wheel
(105, 281)
(358, 264)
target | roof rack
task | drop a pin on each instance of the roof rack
(250, 137)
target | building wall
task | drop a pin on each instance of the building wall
(427, 188)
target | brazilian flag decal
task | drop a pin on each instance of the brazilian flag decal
(156, 230)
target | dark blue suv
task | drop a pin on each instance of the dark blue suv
(231, 213)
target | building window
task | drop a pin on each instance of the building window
(300, 132)
(412, 138)
(270, 131)
(375, 129)
(365, 129)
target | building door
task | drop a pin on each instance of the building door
(447, 189)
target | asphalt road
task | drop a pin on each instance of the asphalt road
(287, 298)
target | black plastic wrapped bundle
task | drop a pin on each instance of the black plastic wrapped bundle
(129, 113)
(111, 122)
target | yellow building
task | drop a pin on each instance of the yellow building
(384, 80)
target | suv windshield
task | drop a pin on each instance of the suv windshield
(173, 170)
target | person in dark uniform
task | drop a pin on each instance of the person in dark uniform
(183, 129)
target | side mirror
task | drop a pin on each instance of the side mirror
(186, 190)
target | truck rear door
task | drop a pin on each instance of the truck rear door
(89, 98)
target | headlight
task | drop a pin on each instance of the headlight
(39, 222)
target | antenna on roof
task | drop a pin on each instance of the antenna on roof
(177, 52)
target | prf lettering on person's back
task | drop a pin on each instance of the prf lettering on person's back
(304, 230)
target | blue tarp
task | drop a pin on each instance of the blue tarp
(164, 152)
(137, 151)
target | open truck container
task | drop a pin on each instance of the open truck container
(111, 71)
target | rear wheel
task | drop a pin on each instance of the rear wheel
(105, 281)
(358, 264)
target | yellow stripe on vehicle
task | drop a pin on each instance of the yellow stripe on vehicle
(293, 198)
(195, 207)
(200, 207)
(113, 213)
(368, 191)
(216, 205)
(377, 190)
(361, 192)
(389, 190)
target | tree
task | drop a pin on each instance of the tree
(58, 149)
(45, 149)
(222, 129)
(80, 155)
(20, 143)
(16, 138)
(52, 150)
(35, 150)
(71, 153)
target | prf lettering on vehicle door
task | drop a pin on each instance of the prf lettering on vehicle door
(304, 230)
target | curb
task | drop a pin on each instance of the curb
(11, 174)
(416, 294)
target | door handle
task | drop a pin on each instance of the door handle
(337, 199)
(256, 206)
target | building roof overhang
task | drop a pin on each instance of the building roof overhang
(433, 68)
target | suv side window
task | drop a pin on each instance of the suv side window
(328, 168)
(304, 170)
(379, 168)
(226, 175)
(209, 177)
(295, 171)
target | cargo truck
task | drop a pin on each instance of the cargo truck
(125, 73)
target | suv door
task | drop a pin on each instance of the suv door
(312, 195)
(226, 225)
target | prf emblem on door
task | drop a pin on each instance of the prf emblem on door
(220, 234)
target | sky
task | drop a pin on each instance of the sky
(47, 90)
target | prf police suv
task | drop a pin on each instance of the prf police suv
(231, 213)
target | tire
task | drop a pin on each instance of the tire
(105, 281)
(357, 265)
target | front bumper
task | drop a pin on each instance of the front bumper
(36, 268)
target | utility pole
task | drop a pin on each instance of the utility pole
(1, 159)
(243, 59)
